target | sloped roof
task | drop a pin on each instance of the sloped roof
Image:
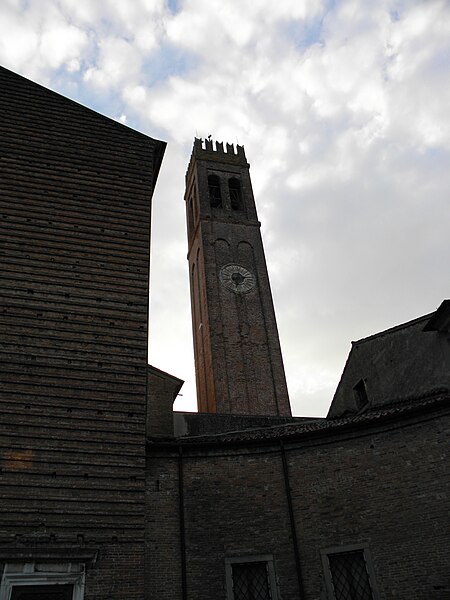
(34, 94)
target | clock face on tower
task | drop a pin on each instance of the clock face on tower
(237, 278)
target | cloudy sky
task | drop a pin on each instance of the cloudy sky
(343, 107)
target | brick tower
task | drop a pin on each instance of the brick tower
(239, 368)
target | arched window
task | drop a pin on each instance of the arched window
(234, 185)
(215, 197)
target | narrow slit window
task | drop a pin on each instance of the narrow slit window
(215, 196)
(234, 185)
(194, 203)
(190, 216)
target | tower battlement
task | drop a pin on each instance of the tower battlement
(212, 150)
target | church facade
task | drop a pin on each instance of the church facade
(107, 494)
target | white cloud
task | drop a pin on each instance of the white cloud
(344, 110)
(39, 39)
(18, 38)
(118, 63)
(61, 44)
(418, 72)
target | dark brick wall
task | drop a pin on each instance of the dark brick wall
(162, 521)
(386, 489)
(75, 199)
(384, 486)
(162, 391)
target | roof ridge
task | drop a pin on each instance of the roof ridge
(394, 328)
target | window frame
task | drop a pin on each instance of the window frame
(364, 548)
(240, 560)
(74, 574)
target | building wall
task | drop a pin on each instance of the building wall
(162, 391)
(75, 199)
(163, 575)
(381, 486)
(403, 361)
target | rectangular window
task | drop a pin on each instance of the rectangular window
(251, 578)
(349, 574)
(38, 580)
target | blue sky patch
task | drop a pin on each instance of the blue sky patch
(174, 5)
(73, 86)
(303, 34)
(167, 61)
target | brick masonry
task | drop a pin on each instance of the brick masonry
(239, 367)
(75, 200)
(383, 485)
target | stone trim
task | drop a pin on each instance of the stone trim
(262, 558)
(35, 573)
(364, 548)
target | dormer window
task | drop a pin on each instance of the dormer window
(234, 185)
(215, 196)
(360, 393)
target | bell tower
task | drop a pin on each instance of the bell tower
(238, 363)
